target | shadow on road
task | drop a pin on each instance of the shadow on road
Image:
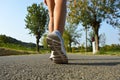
(96, 59)
(95, 62)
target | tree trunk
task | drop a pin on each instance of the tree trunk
(70, 48)
(96, 32)
(37, 42)
(86, 39)
(37, 45)
(97, 40)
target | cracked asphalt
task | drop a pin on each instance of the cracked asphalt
(80, 67)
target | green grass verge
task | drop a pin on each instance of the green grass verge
(116, 53)
(109, 53)
(8, 52)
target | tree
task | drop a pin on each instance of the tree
(90, 37)
(36, 20)
(86, 37)
(43, 41)
(119, 38)
(93, 13)
(102, 39)
(3, 39)
(119, 34)
(71, 36)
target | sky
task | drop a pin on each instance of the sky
(12, 15)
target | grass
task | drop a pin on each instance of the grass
(11, 51)
(117, 53)
(16, 47)
(7, 49)
(8, 52)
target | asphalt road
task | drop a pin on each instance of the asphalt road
(80, 67)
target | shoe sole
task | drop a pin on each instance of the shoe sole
(55, 45)
(58, 59)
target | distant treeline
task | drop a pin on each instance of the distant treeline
(112, 47)
(9, 42)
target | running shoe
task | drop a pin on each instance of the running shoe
(56, 43)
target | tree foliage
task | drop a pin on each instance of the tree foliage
(89, 11)
(36, 20)
(93, 13)
(119, 34)
(102, 39)
(71, 36)
(90, 37)
(9, 42)
(44, 42)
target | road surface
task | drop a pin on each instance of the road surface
(80, 67)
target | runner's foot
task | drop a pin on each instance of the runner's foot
(56, 43)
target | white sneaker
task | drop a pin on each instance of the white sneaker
(56, 43)
(51, 55)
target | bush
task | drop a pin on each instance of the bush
(113, 47)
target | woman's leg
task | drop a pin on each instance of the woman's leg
(51, 4)
(59, 15)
